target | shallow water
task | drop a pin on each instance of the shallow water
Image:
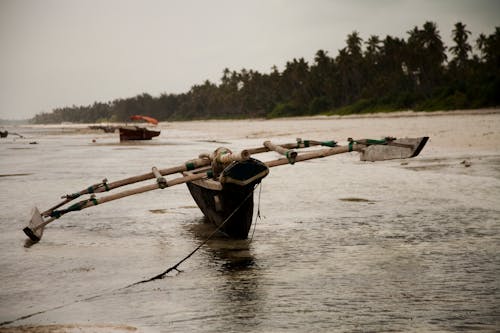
(341, 245)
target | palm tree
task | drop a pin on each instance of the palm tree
(490, 48)
(373, 47)
(426, 56)
(354, 44)
(462, 48)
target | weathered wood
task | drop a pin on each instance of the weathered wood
(162, 182)
(237, 178)
(290, 154)
(105, 186)
(316, 154)
(231, 157)
(146, 188)
(230, 206)
(37, 222)
(396, 149)
(299, 144)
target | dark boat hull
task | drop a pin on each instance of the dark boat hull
(231, 207)
(137, 133)
(228, 200)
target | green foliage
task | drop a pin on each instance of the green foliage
(319, 105)
(389, 74)
(285, 110)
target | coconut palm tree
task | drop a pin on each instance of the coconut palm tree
(462, 48)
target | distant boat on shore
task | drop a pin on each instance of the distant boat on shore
(131, 132)
(136, 132)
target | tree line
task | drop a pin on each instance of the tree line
(366, 76)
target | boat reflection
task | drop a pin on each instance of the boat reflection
(233, 254)
(239, 296)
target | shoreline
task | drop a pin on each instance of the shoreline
(465, 130)
(389, 114)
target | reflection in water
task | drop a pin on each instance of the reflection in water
(232, 254)
(238, 296)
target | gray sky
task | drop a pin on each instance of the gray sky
(56, 53)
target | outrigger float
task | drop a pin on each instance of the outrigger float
(222, 183)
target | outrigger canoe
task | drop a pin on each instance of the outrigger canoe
(222, 183)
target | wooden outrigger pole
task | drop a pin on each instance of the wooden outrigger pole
(220, 181)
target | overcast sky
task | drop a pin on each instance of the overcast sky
(56, 53)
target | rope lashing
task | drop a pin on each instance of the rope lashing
(74, 207)
(93, 188)
(309, 143)
(369, 142)
(160, 180)
(71, 196)
(291, 156)
(302, 143)
(89, 190)
(221, 152)
(329, 143)
(375, 142)
(219, 163)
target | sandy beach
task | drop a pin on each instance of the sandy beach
(456, 130)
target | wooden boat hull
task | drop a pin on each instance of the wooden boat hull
(229, 204)
(136, 133)
(397, 149)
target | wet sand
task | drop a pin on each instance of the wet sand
(452, 130)
(343, 245)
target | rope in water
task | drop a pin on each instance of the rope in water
(159, 276)
(257, 216)
(175, 267)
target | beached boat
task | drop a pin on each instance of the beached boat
(227, 200)
(222, 183)
(136, 132)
